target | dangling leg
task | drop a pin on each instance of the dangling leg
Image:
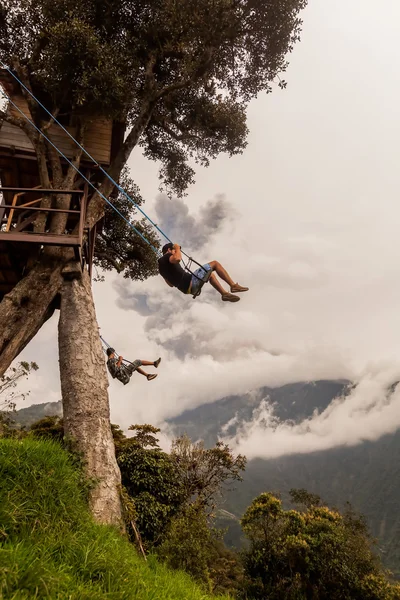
(147, 375)
(225, 296)
(147, 363)
(216, 285)
(223, 273)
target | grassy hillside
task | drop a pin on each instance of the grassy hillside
(50, 548)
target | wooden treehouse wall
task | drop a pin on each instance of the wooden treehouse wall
(98, 135)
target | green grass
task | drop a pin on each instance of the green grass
(51, 548)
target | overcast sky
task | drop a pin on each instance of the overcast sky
(308, 218)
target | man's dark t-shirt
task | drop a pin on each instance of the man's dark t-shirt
(174, 273)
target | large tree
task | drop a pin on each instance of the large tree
(178, 74)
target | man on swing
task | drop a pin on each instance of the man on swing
(188, 283)
(124, 372)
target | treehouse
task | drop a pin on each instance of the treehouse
(23, 203)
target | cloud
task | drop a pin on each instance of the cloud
(191, 231)
(370, 410)
(308, 220)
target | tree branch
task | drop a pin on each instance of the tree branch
(76, 160)
(50, 122)
(174, 87)
(21, 124)
(106, 257)
(22, 73)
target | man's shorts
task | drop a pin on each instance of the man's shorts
(200, 275)
(131, 368)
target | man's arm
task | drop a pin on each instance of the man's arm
(176, 255)
(119, 363)
(167, 282)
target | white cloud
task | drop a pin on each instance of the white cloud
(371, 410)
(307, 217)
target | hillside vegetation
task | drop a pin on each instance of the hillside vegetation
(365, 475)
(50, 546)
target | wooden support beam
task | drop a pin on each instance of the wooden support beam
(11, 214)
(27, 221)
(38, 209)
(45, 239)
(82, 217)
(39, 189)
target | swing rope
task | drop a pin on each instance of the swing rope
(107, 345)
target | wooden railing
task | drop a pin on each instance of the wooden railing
(14, 228)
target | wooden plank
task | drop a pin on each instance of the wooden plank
(39, 209)
(27, 221)
(40, 190)
(97, 143)
(82, 217)
(45, 239)
(11, 214)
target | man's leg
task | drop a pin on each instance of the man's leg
(142, 372)
(225, 296)
(216, 285)
(148, 376)
(223, 273)
(147, 363)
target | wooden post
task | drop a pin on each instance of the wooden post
(2, 210)
(82, 217)
(14, 203)
(11, 214)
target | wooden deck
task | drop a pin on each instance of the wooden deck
(20, 243)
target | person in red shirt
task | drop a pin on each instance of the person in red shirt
(175, 276)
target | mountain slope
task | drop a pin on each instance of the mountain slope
(367, 475)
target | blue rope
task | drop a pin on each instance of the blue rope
(79, 172)
(86, 152)
(108, 346)
(104, 342)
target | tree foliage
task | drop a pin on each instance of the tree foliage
(317, 553)
(179, 73)
(149, 476)
(192, 545)
(10, 380)
(50, 427)
(205, 473)
(174, 496)
(118, 246)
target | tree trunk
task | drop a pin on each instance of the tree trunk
(84, 386)
(25, 309)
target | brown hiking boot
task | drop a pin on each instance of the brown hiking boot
(238, 288)
(229, 297)
(151, 377)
